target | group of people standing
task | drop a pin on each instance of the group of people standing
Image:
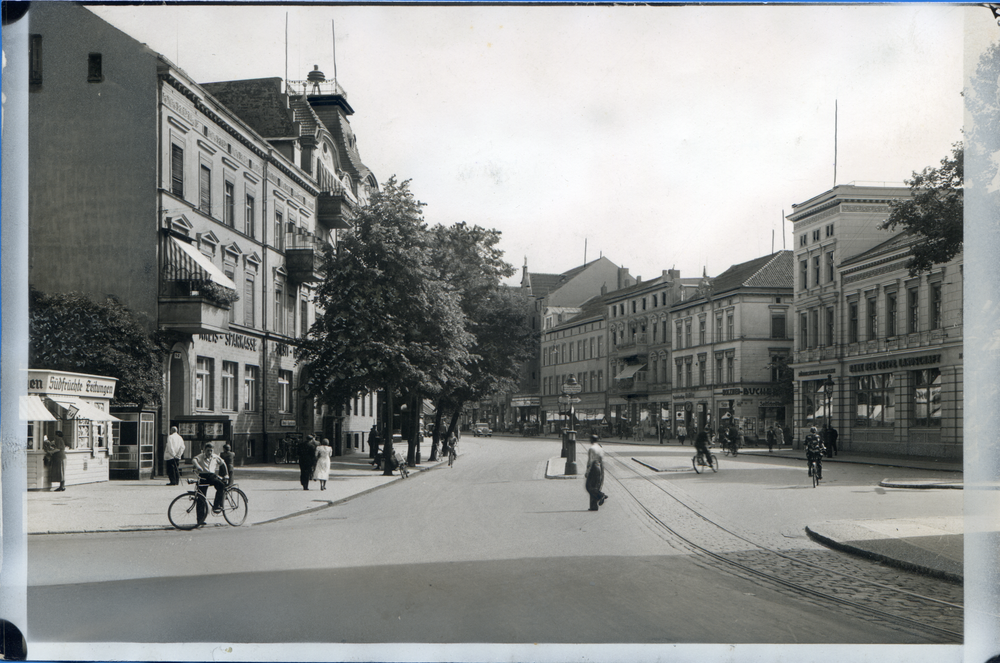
(314, 461)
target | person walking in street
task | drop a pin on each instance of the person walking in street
(452, 450)
(779, 436)
(770, 439)
(322, 472)
(307, 460)
(57, 463)
(831, 442)
(211, 470)
(172, 455)
(594, 474)
(682, 432)
(229, 458)
(373, 442)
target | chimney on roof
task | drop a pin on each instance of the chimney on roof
(604, 289)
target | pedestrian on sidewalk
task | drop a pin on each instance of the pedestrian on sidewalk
(779, 436)
(831, 443)
(307, 460)
(57, 463)
(229, 458)
(770, 439)
(682, 432)
(594, 474)
(172, 455)
(322, 472)
(373, 442)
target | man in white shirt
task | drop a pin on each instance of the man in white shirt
(211, 468)
(172, 455)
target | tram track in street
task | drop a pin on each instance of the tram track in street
(901, 608)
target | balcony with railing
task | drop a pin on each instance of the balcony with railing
(636, 345)
(194, 306)
(631, 386)
(304, 256)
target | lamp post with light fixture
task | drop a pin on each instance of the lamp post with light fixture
(569, 389)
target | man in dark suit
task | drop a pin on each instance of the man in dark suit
(307, 460)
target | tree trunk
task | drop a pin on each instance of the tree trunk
(414, 429)
(387, 442)
(437, 431)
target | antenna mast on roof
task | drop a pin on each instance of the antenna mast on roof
(286, 52)
(584, 250)
(835, 142)
(333, 29)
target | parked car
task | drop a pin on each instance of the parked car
(482, 430)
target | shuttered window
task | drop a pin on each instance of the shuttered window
(205, 190)
(177, 170)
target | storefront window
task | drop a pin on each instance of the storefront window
(203, 383)
(875, 400)
(927, 397)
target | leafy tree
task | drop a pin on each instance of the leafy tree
(70, 332)
(934, 212)
(387, 321)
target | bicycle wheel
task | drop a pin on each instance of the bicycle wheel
(814, 474)
(183, 511)
(694, 464)
(234, 507)
(714, 462)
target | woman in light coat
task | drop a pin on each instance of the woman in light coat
(322, 471)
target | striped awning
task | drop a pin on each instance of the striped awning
(77, 409)
(184, 258)
(33, 409)
(629, 371)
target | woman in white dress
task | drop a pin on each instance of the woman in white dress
(322, 471)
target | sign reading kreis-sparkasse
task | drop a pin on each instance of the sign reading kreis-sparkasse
(893, 363)
(231, 340)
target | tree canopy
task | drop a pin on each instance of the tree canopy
(386, 319)
(71, 332)
(934, 212)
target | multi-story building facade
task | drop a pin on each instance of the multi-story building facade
(576, 347)
(729, 339)
(639, 393)
(878, 351)
(169, 200)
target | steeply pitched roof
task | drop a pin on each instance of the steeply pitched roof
(259, 102)
(543, 284)
(770, 271)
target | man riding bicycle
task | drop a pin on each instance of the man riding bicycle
(815, 450)
(701, 445)
(211, 470)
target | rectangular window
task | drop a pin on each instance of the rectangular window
(279, 304)
(229, 369)
(284, 391)
(935, 306)
(248, 301)
(730, 369)
(803, 331)
(872, 304)
(702, 368)
(829, 325)
(816, 269)
(816, 235)
(814, 326)
(600, 380)
(95, 73)
(231, 275)
(35, 60)
(718, 369)
(205, 190)
(250, 217)
(303, 317)
(687, 334)
(777, 325)
(803, 239)
(600, 347)
(718, 329)
(913, 303)
(829, 230)
(804, 275)
(279, 231)
(874, 400)
(927, 397)
(852, 322)
(730, 327)
(687, 373)
(250, 388)
(228, 204)
(203, 380)
(829, 267)
(680, 338)
(177, 170)
(292, 299)
(701, 331)
(890, 314)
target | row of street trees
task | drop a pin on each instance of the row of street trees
(417, 312)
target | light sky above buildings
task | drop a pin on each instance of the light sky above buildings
(659, 137)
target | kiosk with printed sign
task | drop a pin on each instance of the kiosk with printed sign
(199, 429)
(77, 405)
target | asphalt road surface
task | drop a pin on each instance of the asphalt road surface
(491, 551)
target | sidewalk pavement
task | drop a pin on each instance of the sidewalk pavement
(273, 493)
(929, 546)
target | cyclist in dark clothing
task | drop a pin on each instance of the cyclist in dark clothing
(814, 451)
(701, 444)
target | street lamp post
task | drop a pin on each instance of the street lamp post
(569, 389)
(828, 388)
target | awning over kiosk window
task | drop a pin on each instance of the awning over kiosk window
(187, 259)
(33, 409)
(629, 371)
(77, 409)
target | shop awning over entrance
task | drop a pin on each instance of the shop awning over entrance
(186, 259)
(77, 409)
(629, 371)
(33, 409)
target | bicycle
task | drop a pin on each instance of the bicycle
(404, 471)
(731, 448)
(814, 471)
(189, 510)
(707, 459)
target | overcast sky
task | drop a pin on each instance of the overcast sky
(657, 136)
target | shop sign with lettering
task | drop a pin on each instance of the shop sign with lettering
(890, 364)
(73, 384)
(231, 340)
